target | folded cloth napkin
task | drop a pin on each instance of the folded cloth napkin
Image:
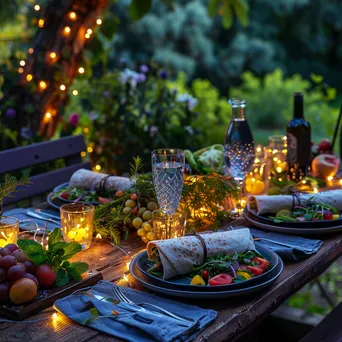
(129, 324)
(299, 248)
(20, 214)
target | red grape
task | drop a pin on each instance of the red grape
(31, 276)
(22, 266)
(12, 247)
(0, 260)
(46, 275)
(15, 272)
(3, 275)
(4, 292)
(8, 261)
(4, 252)
(30, 268)
(19, 255)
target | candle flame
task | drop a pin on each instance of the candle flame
(98, 236)
(330, 178)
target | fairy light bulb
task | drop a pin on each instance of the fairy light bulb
(42, 85)
(53, 55)
(48, 115)
(99, 22)
(90, 149)
(75, 92)
(87, 36)
(72, 16)
(89, 31)
(22, 63)
(37, 8)
(30, 51)
(62, 87)
(29, 77)
(81, 70)
(86, 130)
(66, 30)
(98, 167)
(20, 70)
(41, 23)
(83, 154)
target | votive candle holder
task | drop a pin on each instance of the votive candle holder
(166, 226)
(9, 230)
(78, 223)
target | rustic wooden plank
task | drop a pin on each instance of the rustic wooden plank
(39, 153)
(46, 182)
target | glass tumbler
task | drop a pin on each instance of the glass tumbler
(164, 229)
(9, 230)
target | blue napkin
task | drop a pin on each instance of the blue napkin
(20, 214)
(299, 248)
(130, 325)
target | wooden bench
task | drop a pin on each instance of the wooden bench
(68, 149)
(329, 330)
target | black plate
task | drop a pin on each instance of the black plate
(183, 282)
(284, 227)
(171, 291)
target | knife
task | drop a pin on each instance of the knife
(44, 214)
(40, 217)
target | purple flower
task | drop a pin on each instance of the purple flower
(106, 93)
(163, 74)
(153, 131)
(11, 113)
(144, 68)
(25, 133)
(74, 119)
(131, 77)
(141, 78)
(186, 98)
(189, 129)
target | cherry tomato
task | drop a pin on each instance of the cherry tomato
(119, 193)
(262, 263)
(255, 270)
(65, 195)
(133, 197)
(221, 279)
(205, 275)
(104, 200)
(327, 215)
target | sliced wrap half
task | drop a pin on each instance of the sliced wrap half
(179, 256)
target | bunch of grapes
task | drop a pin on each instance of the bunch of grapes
(141, 216)
(19, 278)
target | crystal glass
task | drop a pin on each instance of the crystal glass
(239, 143)
(77, 223)
(162, 230)
(168, 178)
(9, 230)
(256, 181)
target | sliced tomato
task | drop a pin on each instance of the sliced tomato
(255, 270)
(65, 195)
(262, 263)
(221, 279)
(104, 200)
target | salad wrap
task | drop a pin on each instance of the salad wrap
(273, 204)
(86, 179)
(178, 256)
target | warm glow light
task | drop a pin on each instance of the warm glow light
(279, 169)
(83, 154)
(66, 30)
(54, 316)
(22, 63)
(90, 149)
(30, 51)
(81, 70)
(62, 87)
(41, 23)
(87, 35)
(330, 178)
(340, 181)
(72, 16)
(75, 92)
(86, 130)
(89, 31)
(284, 137)
(98, 21)
(48, 115)
(20, 70)
(258, 149)
(280, 179)
(98, 167)
(275, 159)
(98, 236)
(29, 77)
(42, 85)
(315, 190)
(127, 264)
(37, 8)
(53, 55)
(304, 181)
(125, 277)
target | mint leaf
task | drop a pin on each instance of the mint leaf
(70, 250)
(33, 250)
(57, 245)
(24, 244)
(55, 236)
(94, 312)
(80, 266)
(62, 277)
(88, 321)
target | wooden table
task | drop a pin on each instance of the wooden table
(235, 316)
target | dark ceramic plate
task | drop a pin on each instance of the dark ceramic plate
(310, 228)
(54, 202)
(171, 290)
(183, 282)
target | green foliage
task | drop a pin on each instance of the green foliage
(138, 8)
(10, 185)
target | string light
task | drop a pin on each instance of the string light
(89, 31)
(340, 181)
(90, 149)
(42, 85)
(41, 23)
(98, 167)
(98, 236)
(83, 154)
(98, 21)
(87, 36)
(29, 77)
(125, 277)
(72, 16)
(37, 8)
(75, 92)
(48, 115)
(22, 63)
(20, 70)
(86, 130)
(53, 55)
(81, 70)
(66, 30)
(330, 178)
(62, 87)
(30, 51)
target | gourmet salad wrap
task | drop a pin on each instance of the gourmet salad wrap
(180, 255)
(273, 204)
(98, 181)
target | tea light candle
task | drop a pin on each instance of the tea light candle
(9, 229)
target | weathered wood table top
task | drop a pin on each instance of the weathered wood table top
(236, 316)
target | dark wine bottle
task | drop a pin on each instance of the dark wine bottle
(298, 134)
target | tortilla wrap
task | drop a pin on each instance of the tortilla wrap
(178, 256)
(273, 204)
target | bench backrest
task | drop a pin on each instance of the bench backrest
(68, 148)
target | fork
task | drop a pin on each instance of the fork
(123, 298)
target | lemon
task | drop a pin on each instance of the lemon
(71, 234)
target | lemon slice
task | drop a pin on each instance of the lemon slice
(284, 212)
